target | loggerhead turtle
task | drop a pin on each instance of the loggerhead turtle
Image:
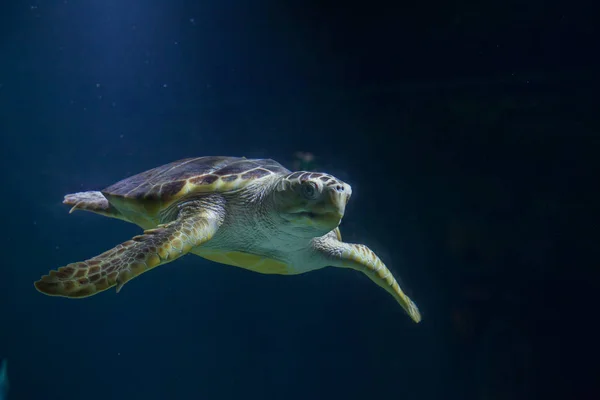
(250, 213)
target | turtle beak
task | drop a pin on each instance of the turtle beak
(339, 195)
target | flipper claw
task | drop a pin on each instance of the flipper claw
(75, 207)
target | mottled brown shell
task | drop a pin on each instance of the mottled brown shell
(163, 185)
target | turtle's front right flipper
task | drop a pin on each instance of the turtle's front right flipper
(132, 258)
(359, 257)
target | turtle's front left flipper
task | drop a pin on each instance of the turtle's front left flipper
(359, 257)
(132, 258)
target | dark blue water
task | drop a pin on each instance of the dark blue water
(467, 133)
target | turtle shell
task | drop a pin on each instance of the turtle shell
(161, 186)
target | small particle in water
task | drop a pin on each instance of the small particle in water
(193, 21)
(57, 248)
(121, 136)
(97, 85)
(165, 85)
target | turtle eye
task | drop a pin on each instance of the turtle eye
(309, 190)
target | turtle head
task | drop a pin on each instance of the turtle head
(310, 203)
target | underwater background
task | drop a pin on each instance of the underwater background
(469, 134)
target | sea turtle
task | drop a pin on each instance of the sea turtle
(249, 213)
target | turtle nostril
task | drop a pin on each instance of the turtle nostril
(339, 188)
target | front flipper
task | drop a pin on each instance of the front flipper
(361, 258)
(132, 258)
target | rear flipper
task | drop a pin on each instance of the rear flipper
(91, 201)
